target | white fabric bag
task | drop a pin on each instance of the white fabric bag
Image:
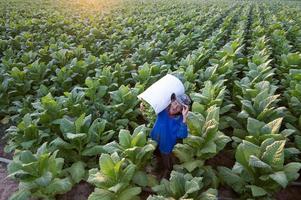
(158, 94)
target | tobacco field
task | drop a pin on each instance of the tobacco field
(70, 73)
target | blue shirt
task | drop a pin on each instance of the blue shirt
(167, 130)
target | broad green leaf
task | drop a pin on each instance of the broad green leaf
(42, 149)
(20, 195)
(257, 191)
(101, 194)
(27, 157)
(210, 194)
(254, 126)
(256, 162)
(77, 171)
(128, 173)
(244, 151)
(107, 165)
(193, 185)
(197, 107)
(44, 180)
(280, 178)
(118, 187)
(129, 193)
(76, 136)
(96, 178)
(274, 126)
(231, 179)
(139, 140)
(59, 186)
(274, 154)
(66, 126)
(140, 178)
(93, 151)
(195, 123)
(192, 165)
(291, 171)
(124, 138)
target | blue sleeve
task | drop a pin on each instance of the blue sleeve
(155, 133)
(182, 132)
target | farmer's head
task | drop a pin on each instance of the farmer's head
(177, 103)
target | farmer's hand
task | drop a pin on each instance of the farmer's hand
(185, 113)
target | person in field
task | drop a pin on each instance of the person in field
(169, 127)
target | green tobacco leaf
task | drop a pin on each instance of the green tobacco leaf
(254, 126)
(213, 113)
(210, 194)
(280, 178)
(20, 195)
(93, 151)
(139, 140)
(193, 185)
(140, 178)
(96, 178)
(256, 162)
(274, 126)
(78, 136)
(197, 107)
(244, 151)
(177, 184)
(66, 126)
(128, 173)
(59, 186)
(77, 171)
(118, 187)
(44, 180)
(298, 141)
(192, 165)
(291, 171)
(195, 123)
(101, 194)
(42, 149)
(274, 154)
(107, 165)
(231, 179)
(27, 157)
(257, 191)
(60, 143)
(129, 193)
(124, 138)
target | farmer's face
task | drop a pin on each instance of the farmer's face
(175, 107)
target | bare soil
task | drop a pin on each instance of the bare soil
(81, 191)
(7, 185)
(223, 158)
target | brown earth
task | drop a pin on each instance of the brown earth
(7, 185)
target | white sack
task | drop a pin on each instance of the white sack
(158, 94)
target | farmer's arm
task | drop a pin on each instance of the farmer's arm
(182, 131)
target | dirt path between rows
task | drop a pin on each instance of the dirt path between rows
(7, 186)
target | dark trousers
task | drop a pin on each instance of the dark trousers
(164, 159)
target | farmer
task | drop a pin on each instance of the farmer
(170, 125)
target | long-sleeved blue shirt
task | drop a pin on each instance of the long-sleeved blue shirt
(167, 130)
